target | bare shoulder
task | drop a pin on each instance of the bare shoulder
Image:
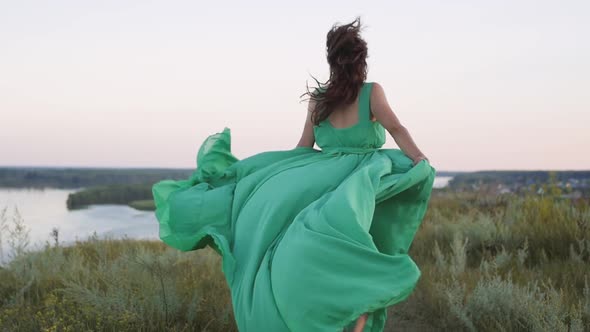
(382, 110)
(377, 90)
(377, 100)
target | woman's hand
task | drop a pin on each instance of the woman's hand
(419, 158)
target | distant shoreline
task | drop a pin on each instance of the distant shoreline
(82, 177)
(132, 186)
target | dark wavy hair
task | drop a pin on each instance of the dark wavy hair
(347, 55)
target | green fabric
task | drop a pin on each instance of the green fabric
(310, 239)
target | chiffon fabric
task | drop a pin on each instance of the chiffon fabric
(310, 239)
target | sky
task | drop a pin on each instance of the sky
(480, 85)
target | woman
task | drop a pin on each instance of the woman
(347, 54)
(338, 104)
(311, 240)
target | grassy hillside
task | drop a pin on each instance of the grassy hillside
(488, 262)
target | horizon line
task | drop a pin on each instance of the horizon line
(189, 168)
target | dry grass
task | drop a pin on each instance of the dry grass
(489, 263)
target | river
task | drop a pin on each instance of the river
(44, 209)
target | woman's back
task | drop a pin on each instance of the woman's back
(359, 132)
(347, 115)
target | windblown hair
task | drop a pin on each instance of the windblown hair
(347, 56)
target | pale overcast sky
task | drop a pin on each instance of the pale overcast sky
(480, 85)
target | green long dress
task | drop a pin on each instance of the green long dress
(310, 239)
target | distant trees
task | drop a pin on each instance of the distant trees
(52, 177)
(522, 182)
(110, 194)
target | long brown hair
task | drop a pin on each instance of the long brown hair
(346, 52)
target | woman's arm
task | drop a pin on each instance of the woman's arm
(307, 137)
(385, 115)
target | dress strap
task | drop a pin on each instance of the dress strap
(365, 102)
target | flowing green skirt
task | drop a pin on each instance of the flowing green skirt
(309, 240)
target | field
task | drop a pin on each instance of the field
(489, 263)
